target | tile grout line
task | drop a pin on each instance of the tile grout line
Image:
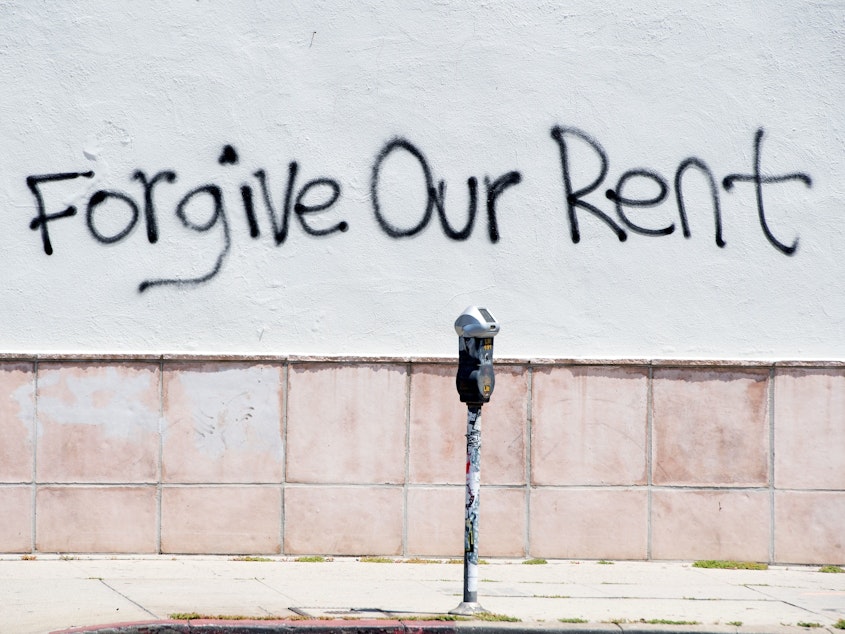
(286, 399)
(771, 396)
(649, 460)
(35, 434)
(160, 474)
(406, 458)
(529, 420)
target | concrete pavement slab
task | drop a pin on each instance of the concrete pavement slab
(52, 593)
(35, 606)
(206, 596)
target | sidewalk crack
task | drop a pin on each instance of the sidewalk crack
(132, 601)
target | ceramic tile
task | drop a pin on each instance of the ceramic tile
(808, 527)
(333, 520)
(589, 523)
(72, 519)
(502, 522)
(436, 522)
(438, 427)
(98, 422)
(810, 429)
(223, 423)
(15, 519)
(221, 520)
(17, 421)
(711, 427)
(589, 426)
(690, 524)
(346, 424)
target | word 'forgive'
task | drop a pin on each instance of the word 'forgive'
(304, 200)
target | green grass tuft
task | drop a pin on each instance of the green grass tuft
(251, 558)
(730, 565)
(535, 562)
(668, 622)
(377, 560)
(833, 569)
(420, 560)
(653, 622)
(840, 624)
(573, 620)
(807, 624)
(492, 616)
(311, 559)
(195, 616)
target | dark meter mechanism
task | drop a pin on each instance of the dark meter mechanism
(475, 380)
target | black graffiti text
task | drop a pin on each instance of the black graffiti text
(270, 205)
(436, 197)
(622, 223)
(300, 200)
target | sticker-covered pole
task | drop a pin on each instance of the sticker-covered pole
(473, 487)
(475, 381)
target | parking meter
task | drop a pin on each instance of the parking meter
(475, 379)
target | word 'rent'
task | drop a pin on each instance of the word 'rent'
(318, 195)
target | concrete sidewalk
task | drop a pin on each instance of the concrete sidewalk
(54, 593)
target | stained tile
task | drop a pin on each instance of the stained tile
(334, 520)
(438, 427)
(436, 522)
(690, 524)
(221, 520)
(810, 428)
(17, 421)
(98, 422)
(96, 519)
(589, 523)
(711, 427)
(346, 423)
(16, 519)
(589, 426)
(223, 423)
(809, 527)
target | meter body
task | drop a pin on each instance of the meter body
(475, 379)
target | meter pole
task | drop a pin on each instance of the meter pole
(475, 380)
(470, 603)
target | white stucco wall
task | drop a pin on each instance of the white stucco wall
(476, 88)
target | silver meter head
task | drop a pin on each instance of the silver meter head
(476, 322)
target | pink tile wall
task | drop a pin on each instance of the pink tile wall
(98, 422)
(221, 520)
(810, 429)
(17, 421)
(15, 519)
(589, 523)
(438, 427)
(223, 423)
(711, 427)
(589, 426)
(116, 519)
(810, 527)
(436, 522)
(352, 458)
(725, 524)
(338, 520)
(346, 423)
